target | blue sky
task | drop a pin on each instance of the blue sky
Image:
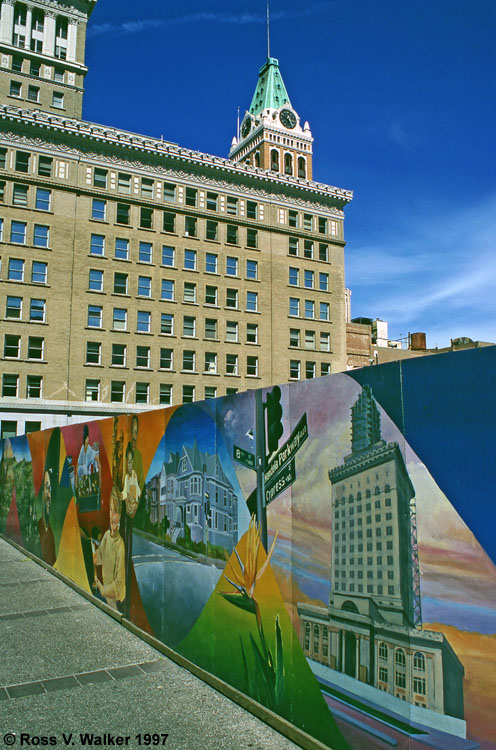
(400, 97)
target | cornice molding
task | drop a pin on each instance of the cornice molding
(113, 137)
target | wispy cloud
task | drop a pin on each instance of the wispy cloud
(399, 136)
(436, 274)
(225, 17)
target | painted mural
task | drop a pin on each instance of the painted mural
(340, 585)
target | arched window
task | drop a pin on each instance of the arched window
(377, 491)
(383, 650)
(274, 160)
(359, 495)
(302, 167)
(419, 661)
(400, 657)
(387, 488)
(257, 158)
(350, 499)
(288, 164)
(367, 493)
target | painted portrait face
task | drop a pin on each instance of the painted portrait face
(47, 491)
(114, 521)
(134, 431)
(129, 462)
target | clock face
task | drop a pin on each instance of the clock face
(287, 118)
(246, 127)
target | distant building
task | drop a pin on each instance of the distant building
(192, 491)
(372, 630)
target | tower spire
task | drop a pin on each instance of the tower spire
(268, 31)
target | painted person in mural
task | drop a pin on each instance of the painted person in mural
(131, 495)
(137, 457)
(117, 455)
(88, 461)
(110, 555)
(47, 541)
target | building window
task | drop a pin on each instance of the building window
(93, 353)
(124, 183)
(92, 390)
(190, 226)
(188, 360)
(190, 260)
(145, 252)
(274, 160)
(288, 164)
(308, 249)
(251, 237)
(252, 301)
(252, 366)
(167, 292)
(118, 356)
(95, 283)
(122, 213)
(97, 245)
(419, 661)
(308, 222)
(383, 650)
(325, 342)
(210, 391)
(169, 192)
(169, 222)
(232, 205)
(22, 161)
(232, 298)
(146, 218)
(293, 218)
(144, 286)
(309, 370)
(309, 339)
(165, 394)
(308, 279)
(231, 266)
(419, 685)
(45, 168)
(189, 292)
(231, 364)
(39, 272)
(210, 328)
(34, 385)
(118, 391)
(37, 310)
(210, 362)
(324, 311)
(143, 321)
(212, 230)
(211, 263)
(18, 232)
(13, 309)
(212, 201)
(309, 308)
(120, 283)
(293, 246)
(15, 89)
(58, 75)
(12, 346)
(166, 359)
(43, 199)
(294, 369)
(189, 326)
(302, 167)
(143, 356)
(58, 100)
(251, 210)
(188, 394)
(191, 196)
(100, 177)
(20, 195)
(40, 236)
(121, 248)
(31, 426)
(325, 369)
(231, 330)
(167, 323)
(323, 252)
(10, 385)
(324, 282)
(294, 306)
(119, 319)
(232, 234)
(142, 393)
(17, 62)
(147, 188)
(294, 276)
(94, 316)
(294, 337)
(252, 333)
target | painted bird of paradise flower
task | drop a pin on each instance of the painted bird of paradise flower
(266, 683)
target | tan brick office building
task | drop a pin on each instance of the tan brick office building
(135, 272)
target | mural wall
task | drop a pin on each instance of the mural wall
(369, 620)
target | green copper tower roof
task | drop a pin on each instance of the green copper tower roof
(270, 92)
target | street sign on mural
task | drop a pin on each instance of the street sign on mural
(280, 482)
(243, 457)
(285, 454)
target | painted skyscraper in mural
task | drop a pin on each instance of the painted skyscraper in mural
(372, 630)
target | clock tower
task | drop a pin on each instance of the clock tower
(271, 135)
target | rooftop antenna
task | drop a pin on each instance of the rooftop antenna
(237, 130)
(268, 32)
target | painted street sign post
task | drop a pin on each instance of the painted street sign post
(243, 457)
(280, 482)
(285, 454)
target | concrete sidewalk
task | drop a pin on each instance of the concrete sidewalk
(67, 667)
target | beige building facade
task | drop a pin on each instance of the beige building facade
(137, 273)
